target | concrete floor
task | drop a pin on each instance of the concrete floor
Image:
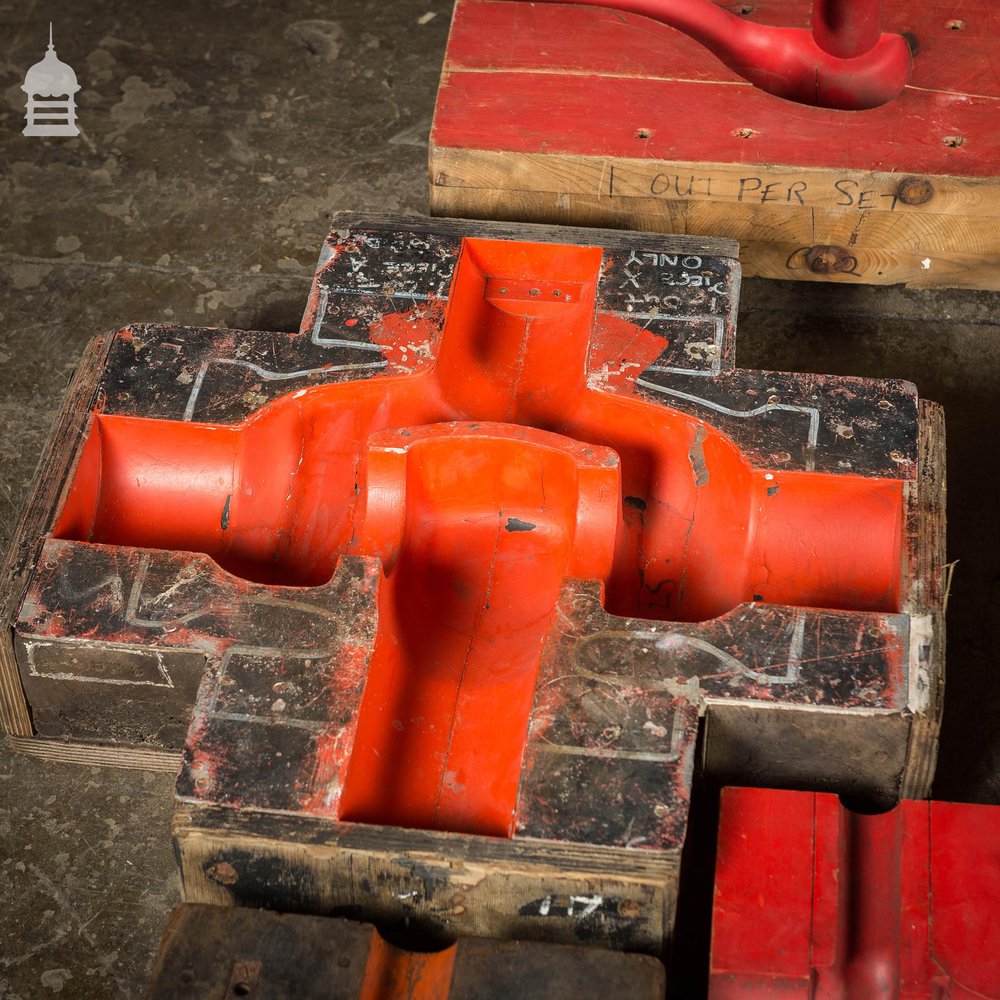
(218, 140)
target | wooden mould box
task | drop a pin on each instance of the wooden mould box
(578, 115)
(458, 570)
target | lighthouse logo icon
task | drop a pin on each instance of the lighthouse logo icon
(50, 86)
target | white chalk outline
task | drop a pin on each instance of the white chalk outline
(677, 731)
(798, 631)
(267, 375)
(139, 582)
(720, 330)
(261, 653)
(135, 594)
(270, 720)
(324, 300)
(609, 752)
(812, 411)
(379, 290)
(31, 645)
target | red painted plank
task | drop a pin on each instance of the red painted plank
(829, 860)
(917, 967)
(745, 889)
(692, 122)
(508, 36)
(965, 872)
(901, 904)
(501, 35)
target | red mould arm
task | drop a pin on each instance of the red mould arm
(845, 62)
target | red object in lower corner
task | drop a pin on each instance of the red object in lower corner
(813, 900)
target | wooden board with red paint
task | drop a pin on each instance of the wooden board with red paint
(812, 899)
(573, 115)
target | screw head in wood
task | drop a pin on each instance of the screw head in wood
(222, 872)
(914, 190)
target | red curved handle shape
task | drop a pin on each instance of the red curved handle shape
(845, 62)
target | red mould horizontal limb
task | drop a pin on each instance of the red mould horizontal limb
(280, 497)
(471, 555)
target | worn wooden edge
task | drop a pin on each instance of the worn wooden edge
(925, 597)
(612, 177)
(484, 887)
(14, 715)
(915, 258)
(877, 266)
(775, 221)
(324, 834)
(94, 754)
(611, 239)
(50, 477)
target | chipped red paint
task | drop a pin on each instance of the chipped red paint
(321, 787)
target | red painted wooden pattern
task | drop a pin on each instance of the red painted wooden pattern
(552, 79)
(814, 901)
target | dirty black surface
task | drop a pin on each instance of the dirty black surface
(219, 139)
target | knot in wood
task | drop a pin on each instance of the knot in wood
(824, 259)
(915, 191)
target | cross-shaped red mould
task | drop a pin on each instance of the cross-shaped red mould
(515, 454)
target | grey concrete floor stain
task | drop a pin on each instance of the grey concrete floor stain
(86, 876)
(217, 140)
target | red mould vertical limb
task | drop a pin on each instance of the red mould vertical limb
(485, 530)
(474, 553)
